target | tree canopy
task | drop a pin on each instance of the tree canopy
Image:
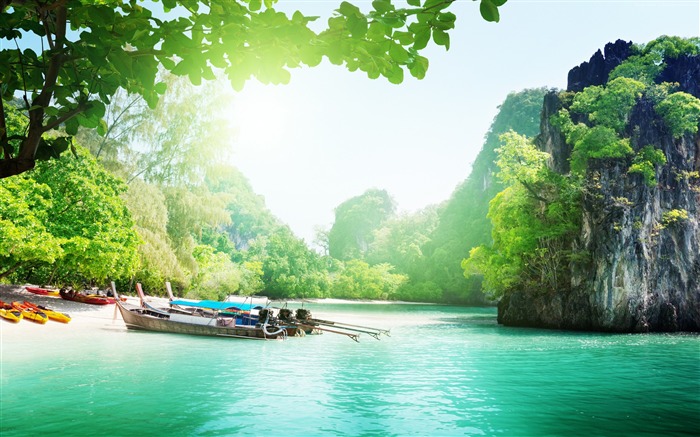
(81, 52)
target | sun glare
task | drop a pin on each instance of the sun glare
(258, 116)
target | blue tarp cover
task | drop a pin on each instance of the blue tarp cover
(215, 305)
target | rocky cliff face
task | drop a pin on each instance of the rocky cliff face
(643, 272)
(597, 69)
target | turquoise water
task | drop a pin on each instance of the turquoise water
(444, 371)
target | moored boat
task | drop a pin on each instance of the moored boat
(214, 323)
(52, 314)
(42, 291)
(29, 313)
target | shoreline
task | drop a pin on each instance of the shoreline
(87, 319)
(84, 318)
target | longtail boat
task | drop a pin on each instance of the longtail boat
(8, 312)
(249, 310)
(54, 315)
(42, 291)
(92, 299)
(29, 313)
(216, 324)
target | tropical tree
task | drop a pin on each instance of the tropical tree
(289, 267)
(81, 52)
(356, 220)
(359, 280)
(71, 211)
(25, 241)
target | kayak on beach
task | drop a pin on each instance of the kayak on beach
(52, 314)
(42, 291)
(93, 299)
(8, 312)
(29, 313)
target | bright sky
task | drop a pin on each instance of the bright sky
(330, 134)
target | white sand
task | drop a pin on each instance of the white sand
(83, 317)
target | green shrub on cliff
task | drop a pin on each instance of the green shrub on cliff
(648, 63)
(611, 105)
(645, 163)
(681, 112)
(534, 221)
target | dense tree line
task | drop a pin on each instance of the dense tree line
(234, 244)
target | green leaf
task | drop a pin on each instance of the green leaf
(447, 17)
(255, 5)
(357, 26)
(160, 87)
(489, 11)
(382, 6)
(376, 31)
(71, 126)
(395, 76)
(422, 38)
(102, 127)
(435, 5)
(121, 62)
(419, 67)
(499, 2)
(404, 38)
(349, 10)
(413, 2)
(441, 38)
(398, 53)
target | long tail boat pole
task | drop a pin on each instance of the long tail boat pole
(116, 299)
(316, 323)
(355, 337)
(358, 328)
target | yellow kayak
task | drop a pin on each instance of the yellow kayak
(29, 313)
(51, 314)
(11, 314)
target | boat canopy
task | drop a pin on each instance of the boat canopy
(216, 305)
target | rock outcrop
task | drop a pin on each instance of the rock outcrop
(643, 268)
(597, 69)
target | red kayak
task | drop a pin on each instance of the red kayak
(42, 291)
(93, 299)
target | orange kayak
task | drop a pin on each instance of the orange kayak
(36, 316)
(51, 313)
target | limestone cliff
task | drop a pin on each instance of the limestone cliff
(642, 272)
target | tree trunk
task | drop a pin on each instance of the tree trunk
(10, 270)
(25, 158)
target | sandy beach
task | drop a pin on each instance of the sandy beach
(84, 317)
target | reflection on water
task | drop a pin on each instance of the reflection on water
(443, 371)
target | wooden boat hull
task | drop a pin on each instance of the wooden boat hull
(42, 291)
(149, 320)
